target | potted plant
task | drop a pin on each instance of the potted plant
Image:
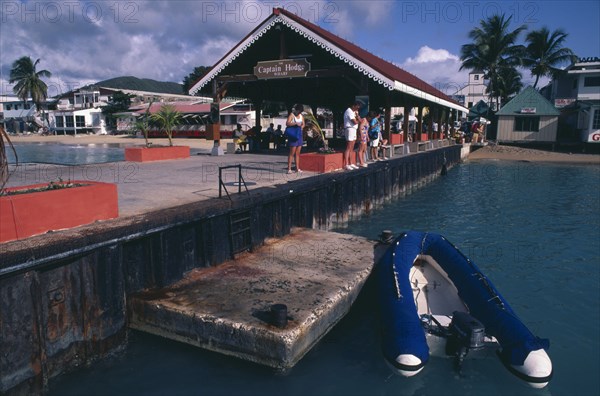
(167, 118)
(35, 209)
(325, 159)
(396, 137)
(143, 124)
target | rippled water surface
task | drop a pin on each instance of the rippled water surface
(533, 229)
(50, 153)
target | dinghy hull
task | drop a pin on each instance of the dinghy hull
(422, 276)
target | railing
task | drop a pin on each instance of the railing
(239, 182)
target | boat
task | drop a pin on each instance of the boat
(435, 301)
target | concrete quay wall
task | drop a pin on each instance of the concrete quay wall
(63, 295)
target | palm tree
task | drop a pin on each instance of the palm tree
(29, 81)
(545, 52)
(509, 84)
(167, 117)
(143, 123)
(493, 49)
(310, 117)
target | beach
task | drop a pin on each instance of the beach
(512, 153)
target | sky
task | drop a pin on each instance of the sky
(83, 42)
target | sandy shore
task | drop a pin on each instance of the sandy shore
(495, 152)
(510, 153)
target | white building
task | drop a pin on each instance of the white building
(474, 91)
(577, 93)
(80, 111)
(17, 116)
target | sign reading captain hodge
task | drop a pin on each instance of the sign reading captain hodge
(283, 68)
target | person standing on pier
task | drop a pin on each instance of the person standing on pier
(374, 132)
(351, 122)
(363, 140)
(293, 131)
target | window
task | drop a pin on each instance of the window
(591, 81)
(8, 107)
(596, 121)
(69, 121)
(476, 77)
(527, 124)
(80, 121)
(60, 122)
(27, 106)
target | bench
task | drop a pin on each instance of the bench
(396, 149)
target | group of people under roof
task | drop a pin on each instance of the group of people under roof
(366, 132)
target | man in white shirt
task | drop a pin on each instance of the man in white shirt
(351, 121)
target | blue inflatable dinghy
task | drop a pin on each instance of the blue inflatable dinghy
(433, 297)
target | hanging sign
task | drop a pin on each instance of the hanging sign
(528, 110)
(283, 68)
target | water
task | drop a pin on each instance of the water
(63, 154)
(533, 229)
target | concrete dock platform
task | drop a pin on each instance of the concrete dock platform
(227, 308)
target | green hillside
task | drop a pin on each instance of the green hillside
(142, 84)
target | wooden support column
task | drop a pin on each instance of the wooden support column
(440, 120)
(419, 130)
(406, 123)
(213, 129)
(257, 113)
(452, 118)
(388, 117)
(430, 135)
(255, 140)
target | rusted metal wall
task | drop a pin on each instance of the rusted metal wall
(59, 314)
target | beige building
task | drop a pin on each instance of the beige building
(528, 117)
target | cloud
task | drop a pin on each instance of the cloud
(88, 41)
(430, 55)
(355, 19)
(438, 67)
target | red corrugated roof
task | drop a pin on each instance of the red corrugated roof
(382, 66)
(185, 108)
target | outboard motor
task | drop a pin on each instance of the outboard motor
(466, 333)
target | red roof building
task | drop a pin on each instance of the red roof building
(337, 71)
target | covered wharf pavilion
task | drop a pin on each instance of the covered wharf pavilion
(290, 60)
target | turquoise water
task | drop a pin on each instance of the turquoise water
(533, 229)
(63, 154)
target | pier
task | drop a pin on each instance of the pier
(68, 297)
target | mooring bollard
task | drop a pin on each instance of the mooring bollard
(279, 315)
(386, 236)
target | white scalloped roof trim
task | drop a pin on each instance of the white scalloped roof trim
(366, 70)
